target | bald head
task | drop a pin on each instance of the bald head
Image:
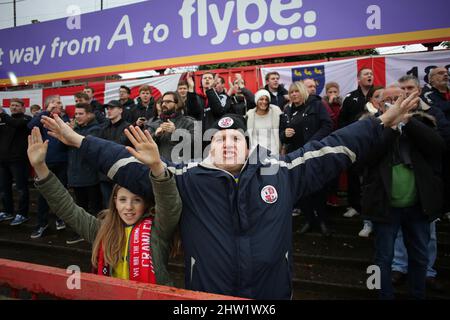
(310, 85)
(391, 94)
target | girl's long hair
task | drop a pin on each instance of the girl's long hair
(111, 233)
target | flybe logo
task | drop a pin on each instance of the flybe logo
(285, 18)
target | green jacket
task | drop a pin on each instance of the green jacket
(167, 208)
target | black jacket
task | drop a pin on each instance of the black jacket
(310, 121)
(140, 111)
(241, 104)
(14, 136)
(352, 107)
(208, 107)
(426, 147)
(194, 106)
(114, 131)
(99, 111)
(279, 99)
(128, 107)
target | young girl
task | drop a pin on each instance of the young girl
(131, 240)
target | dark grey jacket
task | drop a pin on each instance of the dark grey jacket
(166, 142)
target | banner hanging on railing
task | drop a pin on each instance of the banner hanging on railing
(157, 34)
(387, 70)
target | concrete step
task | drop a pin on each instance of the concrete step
(346, 246)
(325, 268)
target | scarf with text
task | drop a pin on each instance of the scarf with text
(139, 254)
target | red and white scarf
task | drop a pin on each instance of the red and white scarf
(139, 253)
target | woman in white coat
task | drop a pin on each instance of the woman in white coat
(263, 123)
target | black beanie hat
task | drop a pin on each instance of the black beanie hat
(231, 121)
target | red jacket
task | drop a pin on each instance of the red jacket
(333, 110)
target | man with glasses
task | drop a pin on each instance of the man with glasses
(402, 191)
(400, 263)
(172, 127)
(390, 95)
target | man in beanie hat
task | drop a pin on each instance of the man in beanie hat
(263, 123)
(236, 224)
(225, 155)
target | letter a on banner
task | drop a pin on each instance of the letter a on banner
(125, 22)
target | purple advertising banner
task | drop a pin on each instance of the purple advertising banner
(158, 34)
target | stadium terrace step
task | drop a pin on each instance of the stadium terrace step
(324, 267)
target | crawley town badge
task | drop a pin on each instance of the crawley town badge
(226, 122)
(269, 194)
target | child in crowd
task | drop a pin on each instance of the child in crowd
(131, 240)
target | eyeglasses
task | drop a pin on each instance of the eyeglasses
(167, 101)
(390, 99)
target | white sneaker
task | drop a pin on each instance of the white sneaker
(350, 213)
(365, 231)
(447, 215)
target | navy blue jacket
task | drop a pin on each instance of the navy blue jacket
(434, 98)
(279, 99)
(57, 151)
(237, 237)
(79, 172)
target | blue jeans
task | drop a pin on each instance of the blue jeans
(17, 170)
(368, 222)
(400, 262)
(60, 171)
(416, 231)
